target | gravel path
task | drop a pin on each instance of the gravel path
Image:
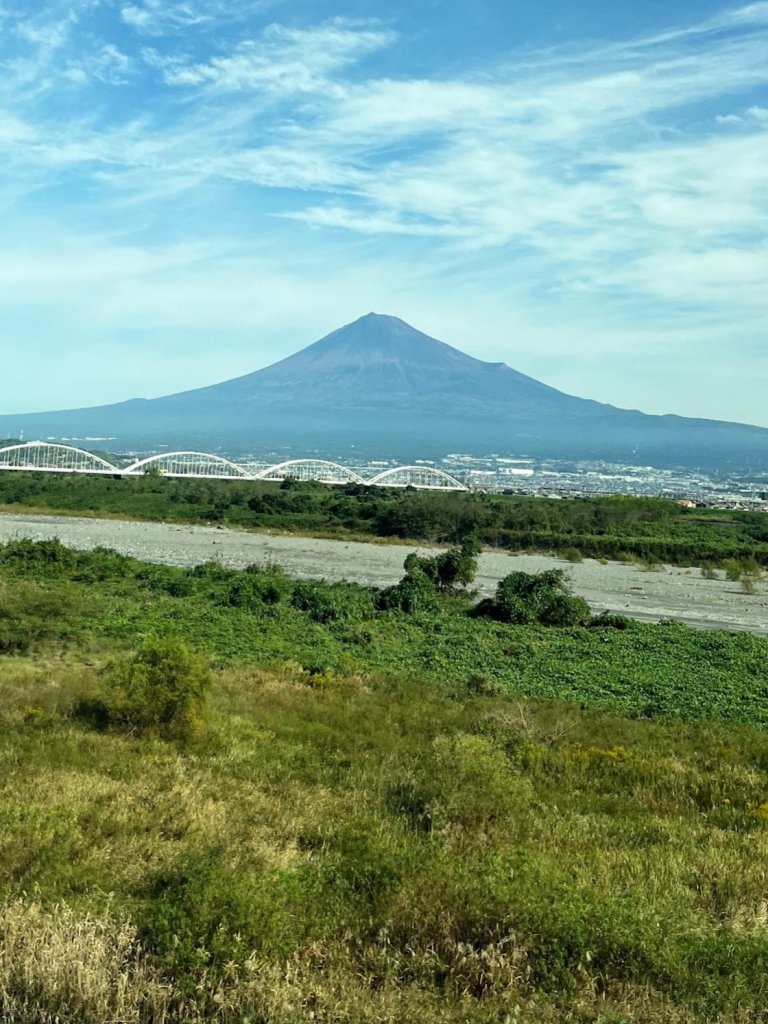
(670, 593)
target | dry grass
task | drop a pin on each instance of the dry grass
(57, 967)
(426, 858)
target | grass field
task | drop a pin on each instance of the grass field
(375, 817)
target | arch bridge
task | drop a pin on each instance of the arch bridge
(47, 457)
(199, 465)
(311, 469)
(421, 477)
(53, 457)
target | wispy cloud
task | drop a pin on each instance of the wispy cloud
(626, 177)
(159, 17)
(106, 63)
(284, 60)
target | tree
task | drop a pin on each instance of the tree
(450, 569)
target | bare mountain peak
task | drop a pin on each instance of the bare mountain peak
(378, 329)
(377, 339)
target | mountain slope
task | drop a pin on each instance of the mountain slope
(382, 359)
(386, 388)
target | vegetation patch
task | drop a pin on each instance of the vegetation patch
(651, 530)
(390, 815)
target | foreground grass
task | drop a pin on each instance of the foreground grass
(380, 818)
(356, 849)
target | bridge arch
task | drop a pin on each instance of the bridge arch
(319, 470)
(200, 465)
(422, 477)
(51, 457)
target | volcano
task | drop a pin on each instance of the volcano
(384, 388)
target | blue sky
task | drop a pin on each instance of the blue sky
(191, 190)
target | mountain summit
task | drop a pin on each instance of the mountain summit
(384, 388)
(384, 360)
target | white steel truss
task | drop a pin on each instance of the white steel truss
(45, 457)
(49, 457)
(422, 477)
(311, 469)
(200, 465)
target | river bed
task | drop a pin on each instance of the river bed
(671, 592)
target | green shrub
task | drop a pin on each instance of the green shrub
(748, 584)
(324, 603)
(43, 555)
(31, 611)
(572, 555)
(610, 620)
(428, 575)
(650, 563)
(453, 568)
(15, 636)
(205, 912)
(161, 689)
(473, 785)
(733, 569)
(212, 571)
(750, 566)
(257, 587)
(480, 684)
(414, 593)
(523, 598)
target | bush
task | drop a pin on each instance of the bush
(47, 556)
(480, 684)
(524, 598)
(15, 636)
(428, 575)
(748, 584)
(214, 572)
(733, 569)
(610, 620)
(572, 555)
(256, 587)
(414, 593)
(650, 563)
(324, 603)
(161, 689)
(31, 611)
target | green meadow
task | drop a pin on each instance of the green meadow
(232, 797)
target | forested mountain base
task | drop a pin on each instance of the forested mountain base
(608, 527)
(361, 814)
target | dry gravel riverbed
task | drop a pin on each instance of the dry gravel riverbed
(669, 593)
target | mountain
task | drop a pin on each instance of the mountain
(381, 387)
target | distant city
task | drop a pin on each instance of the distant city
(575, 479)
(553, 478)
